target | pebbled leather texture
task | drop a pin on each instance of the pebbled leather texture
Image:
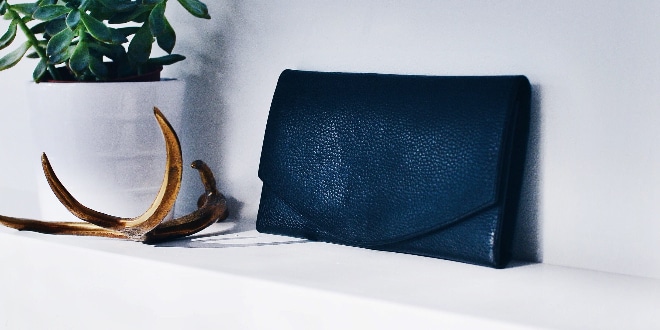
(423, 165)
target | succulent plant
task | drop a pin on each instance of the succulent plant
(92, 40)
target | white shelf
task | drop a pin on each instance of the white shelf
(249, 280)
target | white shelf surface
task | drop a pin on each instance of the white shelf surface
(249, 280)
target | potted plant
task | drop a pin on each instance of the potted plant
(88, 40)
(98, 132)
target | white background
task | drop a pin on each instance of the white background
(593, 187)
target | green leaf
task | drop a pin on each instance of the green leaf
(83, 4)
(96, 28)
(25, 8)
(9, 36)
(118, 38)
(161, 28)
(61, 57)
(157, 20)
(55, 26)
(196, 8)
(98, 68)
(60, 42)
(119, 6)
(140, 47)
(128, 31)
(129, 16)
(73, 19)
(27, 19)
(116, 53)
(14, 57)
(151, 2)
(49, 12)
(39, 70)
(167, 40)
(39, 28)
(79, 60)
(72, 4)
(142, 18)
(99, 12)
(3, 7)
(166, 60)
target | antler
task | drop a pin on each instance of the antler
(149, 226)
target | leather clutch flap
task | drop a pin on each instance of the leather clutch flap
(423, 165)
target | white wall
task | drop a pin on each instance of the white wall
(594, 180)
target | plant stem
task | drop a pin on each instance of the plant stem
(33, 41)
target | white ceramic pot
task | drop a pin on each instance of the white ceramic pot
(103, 142)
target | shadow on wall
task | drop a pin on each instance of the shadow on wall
(209, 73)
(527, 239)
(205, 119)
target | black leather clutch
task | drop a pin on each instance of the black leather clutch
(422, 165)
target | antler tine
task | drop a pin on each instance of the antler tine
(71, 203)
(161, 206)
(59, 228)
(212, 207)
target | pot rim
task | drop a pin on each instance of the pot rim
(150, 76)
